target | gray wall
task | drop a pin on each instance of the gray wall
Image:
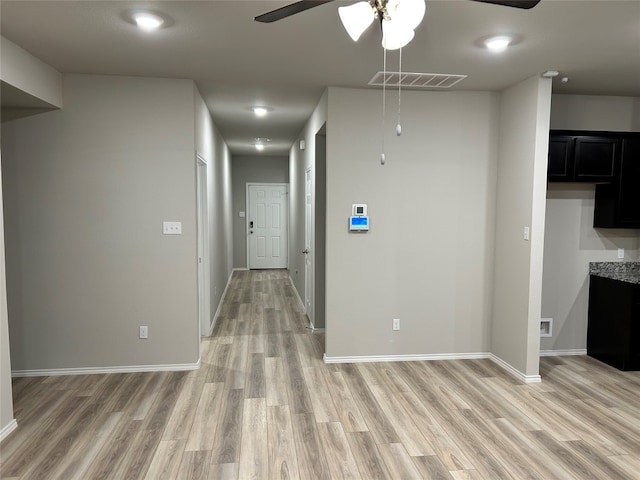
(571, 242)
(299, 161)
(86, 191)
(262, 169)
(521, 187)
(212, 149)
(428, 257)
(6, 399)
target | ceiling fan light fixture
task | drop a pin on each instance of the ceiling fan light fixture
(356, 18)
(408, 13)
(394, 35)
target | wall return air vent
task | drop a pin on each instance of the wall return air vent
(416, 80)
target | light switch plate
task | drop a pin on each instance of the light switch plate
(172, 228)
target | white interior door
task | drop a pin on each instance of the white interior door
(308, 239)
(202, 245)
(267, 225)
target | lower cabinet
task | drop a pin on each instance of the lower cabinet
(613, 334)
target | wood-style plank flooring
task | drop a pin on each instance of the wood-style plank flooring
(265, 406)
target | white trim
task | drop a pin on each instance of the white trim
(224, 294)
(8, 428)
(240, 269)
(514, 371)
(295, 290)
(404, 358)
(562, 353)
(435, 356)
(54, 372)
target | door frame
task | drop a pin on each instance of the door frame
(248, 216)
(202, 244)
(309, 260)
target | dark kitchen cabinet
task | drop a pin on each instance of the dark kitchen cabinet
(618, 205)
(613, 333)
(582, 156)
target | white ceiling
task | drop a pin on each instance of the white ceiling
(286, 65)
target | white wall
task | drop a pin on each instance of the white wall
(428, 257)
(521, 186)
(86, 190)
(571, 242)
(25, 72)
(262, 169)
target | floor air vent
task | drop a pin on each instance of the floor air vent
(417, 80)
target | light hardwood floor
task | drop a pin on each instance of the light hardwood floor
(265, 406)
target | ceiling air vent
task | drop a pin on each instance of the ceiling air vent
(417, 80)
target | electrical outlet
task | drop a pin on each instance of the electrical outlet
(172, 228)
(144, 331)
(395, 324)
(621, 253)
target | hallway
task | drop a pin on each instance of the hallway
(264, 405)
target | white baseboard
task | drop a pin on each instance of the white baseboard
(224, 294)
(562, 353)
(435, 356)
(7, 429)
(295, 290)
(404, 358)
(53, 372)
(524, 378)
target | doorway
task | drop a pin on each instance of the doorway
(267, 225)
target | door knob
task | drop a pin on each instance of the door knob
(305, 251)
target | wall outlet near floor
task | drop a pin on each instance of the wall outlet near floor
(546, 327)
(395, 324)
(144, 331)
(621, 253)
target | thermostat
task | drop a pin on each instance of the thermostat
(359, 210)
(358, 223)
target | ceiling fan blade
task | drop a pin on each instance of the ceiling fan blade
(525, 4)
(288, 10)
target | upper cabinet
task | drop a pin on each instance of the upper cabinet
(610, 159)
(582, 156)
(617, 205)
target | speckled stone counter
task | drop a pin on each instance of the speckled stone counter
(623, 271)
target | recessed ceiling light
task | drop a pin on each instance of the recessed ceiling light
(498, 43)
(260, 143)
(147, 21)
(261, 111)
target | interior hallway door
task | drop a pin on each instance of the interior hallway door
(267, 226)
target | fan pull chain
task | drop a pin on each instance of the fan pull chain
(384, 100)
(399, 125)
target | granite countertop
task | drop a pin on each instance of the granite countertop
(623, 271)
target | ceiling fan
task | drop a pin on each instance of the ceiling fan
(301, 6)
(398, 18)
